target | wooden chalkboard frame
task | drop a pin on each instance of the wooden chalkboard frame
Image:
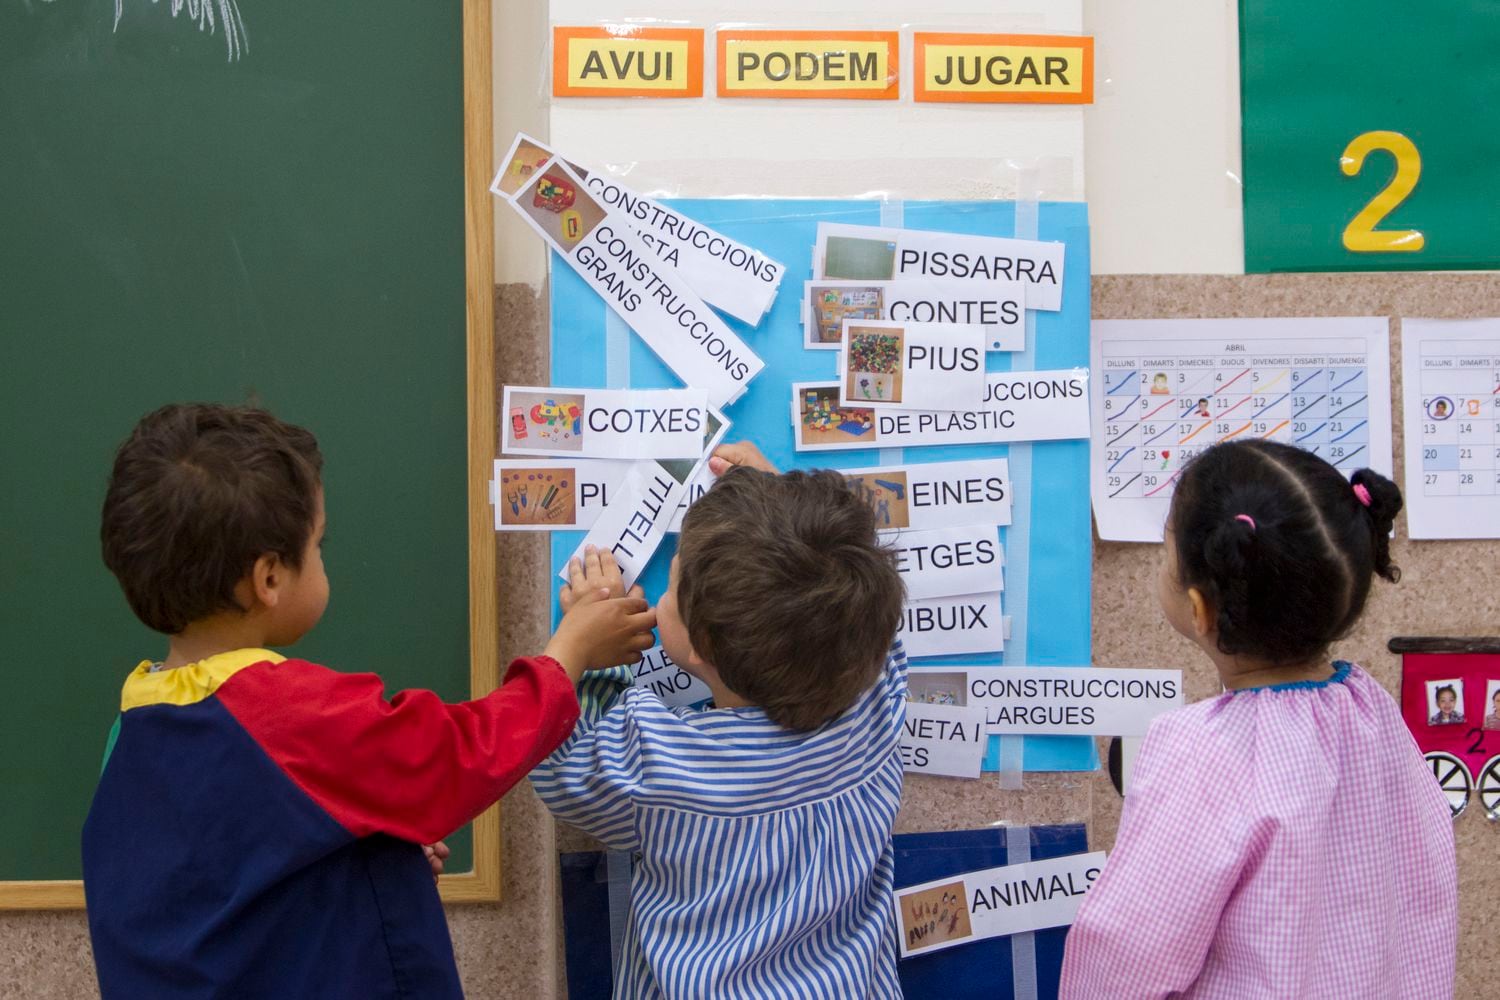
(482, 883)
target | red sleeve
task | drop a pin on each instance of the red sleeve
(413, 767)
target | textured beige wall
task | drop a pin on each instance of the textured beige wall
(512, 949)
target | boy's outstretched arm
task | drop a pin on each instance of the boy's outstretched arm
(589, 781)
(415, 767)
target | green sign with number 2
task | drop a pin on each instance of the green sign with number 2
(1370, 134)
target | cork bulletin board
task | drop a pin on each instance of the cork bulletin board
(1446, 587)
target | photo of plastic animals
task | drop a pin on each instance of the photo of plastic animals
(935, 916)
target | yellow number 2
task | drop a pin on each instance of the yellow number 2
(1361, 236)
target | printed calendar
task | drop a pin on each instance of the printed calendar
(1164, 390)
(1451, 375)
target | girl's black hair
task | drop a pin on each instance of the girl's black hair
(1287, 587)
(1438, 694)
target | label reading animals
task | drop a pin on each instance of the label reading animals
(912, 366)
(995, 902)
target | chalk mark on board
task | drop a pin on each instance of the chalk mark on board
(210, 16)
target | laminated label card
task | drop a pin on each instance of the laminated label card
(935, 494)
(552, 496)
(632, 527)
(601, 244)
(949, 626)
(912, 366)
(1056, 701)
(725, 273)
(1019, 406)
(604, 423)
(883, 254)
(995, 902)
(945, 561)
(998, 306)
(943, 739)
(674, 686)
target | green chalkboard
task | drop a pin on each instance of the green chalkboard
(265, 208)
(1419, 82)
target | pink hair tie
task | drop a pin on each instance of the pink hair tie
(1247, 519)
(1362, 493)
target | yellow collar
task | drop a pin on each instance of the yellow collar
(188, 684)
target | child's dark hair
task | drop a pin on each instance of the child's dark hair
(1281, 545)
(784, 588)
(1438, 694)
(198, 493)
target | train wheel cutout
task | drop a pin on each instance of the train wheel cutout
(1453, 778)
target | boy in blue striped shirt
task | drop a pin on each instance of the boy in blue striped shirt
(763, 825)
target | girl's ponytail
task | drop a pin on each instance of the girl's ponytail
(1384, 504)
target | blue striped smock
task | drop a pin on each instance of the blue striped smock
(765, 862)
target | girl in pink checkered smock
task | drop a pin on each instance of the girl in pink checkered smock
(1284, 839)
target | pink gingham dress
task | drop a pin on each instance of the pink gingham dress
(1284, 842)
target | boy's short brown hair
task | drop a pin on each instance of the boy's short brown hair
(784, 588)
(198, 493)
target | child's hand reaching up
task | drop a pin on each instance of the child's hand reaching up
(726, 456)
(602, 625)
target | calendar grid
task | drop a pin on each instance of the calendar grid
(1460, 417)
(1165, 390)
(1166, 401)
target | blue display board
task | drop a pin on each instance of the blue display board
(1048, 547)
(986, 969)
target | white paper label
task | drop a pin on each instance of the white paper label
(1019, 406)
(943, 739)
(674, 686)
(882, 253)
(615, 260)
(1057, 701)
(604, 423)
(940, 562)
(912, 366)
(553, 496)
(948, 626)
(725, 273)
(935, 494)
(998, 306)
(994, 902)
(632, 527)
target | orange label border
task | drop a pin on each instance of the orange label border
(562, 33)
(892, 39)
(921, 39)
